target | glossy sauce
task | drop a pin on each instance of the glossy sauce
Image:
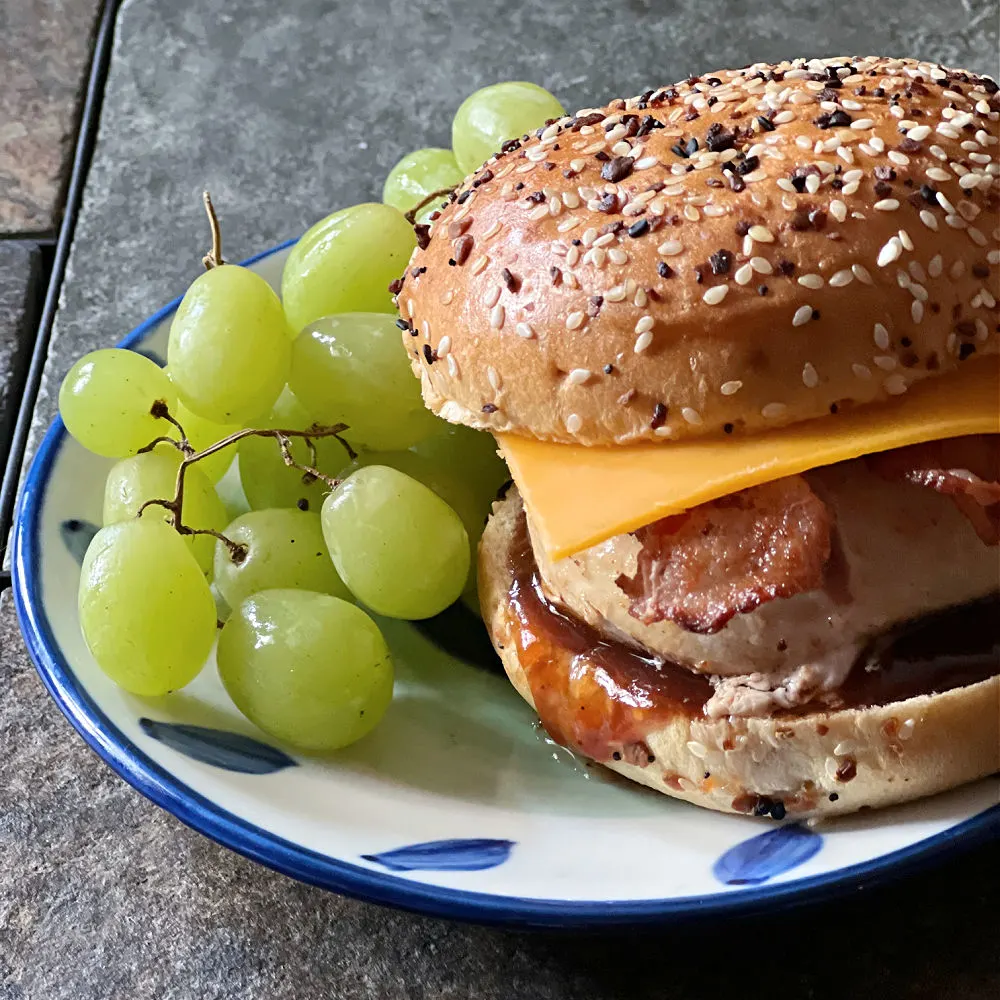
(602, 697)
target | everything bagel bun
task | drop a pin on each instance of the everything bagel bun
(813, 763)
(739, 251)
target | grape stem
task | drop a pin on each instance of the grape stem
(411, 216)
(214, 257)
(238, 551)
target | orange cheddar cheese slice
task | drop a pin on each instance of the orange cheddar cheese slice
(578, 496)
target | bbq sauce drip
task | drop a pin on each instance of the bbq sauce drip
(602, 697)
(593, 695)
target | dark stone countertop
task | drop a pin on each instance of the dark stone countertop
(286, 111)
(45, 50)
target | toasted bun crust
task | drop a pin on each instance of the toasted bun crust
(829, 239)
(901, 751)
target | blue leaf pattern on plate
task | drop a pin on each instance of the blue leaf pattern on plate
(76, 536)
(465, 855)
(768, 854)
(218, 747)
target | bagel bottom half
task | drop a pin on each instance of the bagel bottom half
(797, 764)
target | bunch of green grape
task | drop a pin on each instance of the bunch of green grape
(383, 516)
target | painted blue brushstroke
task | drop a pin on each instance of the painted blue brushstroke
(77, 535)
(218, 747)
(768, 854)
(467, 855)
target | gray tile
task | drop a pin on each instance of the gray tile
(44, 53)
(103, 895)
(19, 293)
(286, 112)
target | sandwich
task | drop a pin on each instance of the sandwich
(738, 341)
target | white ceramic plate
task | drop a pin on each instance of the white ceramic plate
(456, 805)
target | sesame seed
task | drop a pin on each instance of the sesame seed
(616, 294)
(885, 361)
(919, 133)
(929, 219)
(861, 273)
(573, 256)
(841, 278)
(497, 315)
(589, 235)
(943, 201)
(574, 320)
(715, 295)
(493, 377)
(895, 385)
(802, 315)
(860, 124)
(492, 297)
(810, 377)
(850, 188)
(645, 162)
(783, 117)
(479, 265)
(838, 210)
(905, 241)
(444, 346)
(886, 205)
(862, 372)
(578, 376)
(918, 291)
(761, 234)
(538, 213)
(916, 310)
(642, 342)
(957, 269)
(812, 183)
(890, 252)
(567, 224)
(731, 387)
(573, 423)
(743, 275)
(938, 152)
(640, 298)
(692, 416)
(976, 236)
(525, 330)
(773, 410)
(644, 325)
(937, 174)
(621, 148)
(813, 281)
(570, 199)
(670, 249)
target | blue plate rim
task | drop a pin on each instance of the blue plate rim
(370, 885)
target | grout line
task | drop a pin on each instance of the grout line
(81, 164)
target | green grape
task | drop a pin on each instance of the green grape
(146, 611)
(307, 668)
(229, 346)
(345, 264)
(105, 401)
(201, 433)
(353, 369)
(418, 175)
(397, 545)
(451, 484)
(152, 476)
(267, 481)
(285, 549)
(494, 114)
(470, 454)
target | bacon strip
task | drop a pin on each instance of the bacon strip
(965, 468)
(731, 555)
